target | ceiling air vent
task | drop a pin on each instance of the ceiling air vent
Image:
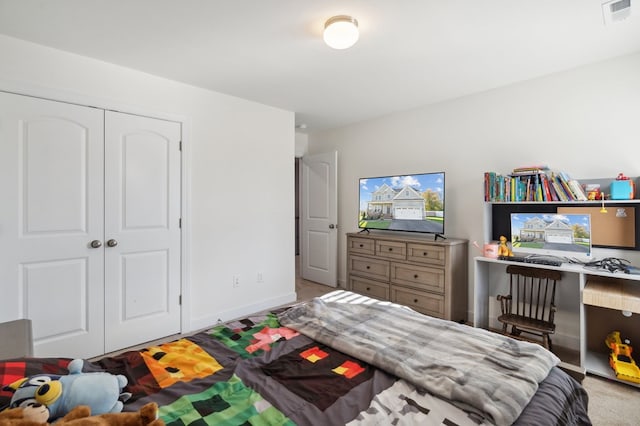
(615, 10)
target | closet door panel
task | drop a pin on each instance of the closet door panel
(51, 186)
(55, 176)
(145, 178)
(65, 308)
(142, 201)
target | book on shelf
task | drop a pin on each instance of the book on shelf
(497, 187)
(524, 170)
(577, 190)
(536, 183)
(560, 193)
(548, 192)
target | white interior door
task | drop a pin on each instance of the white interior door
(319, 213)
(51, 209)
(142, 229)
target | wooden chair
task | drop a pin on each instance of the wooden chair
(530, 305)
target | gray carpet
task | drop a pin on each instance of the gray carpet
(612, 403)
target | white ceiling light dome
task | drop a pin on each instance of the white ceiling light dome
(341, 32)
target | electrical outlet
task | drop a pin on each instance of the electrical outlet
(260, 278)
(236, 281)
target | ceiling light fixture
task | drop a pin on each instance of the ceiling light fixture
(341, 32)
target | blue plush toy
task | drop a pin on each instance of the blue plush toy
(101, 391)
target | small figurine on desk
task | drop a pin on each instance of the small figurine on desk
(503, 248)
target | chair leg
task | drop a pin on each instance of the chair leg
(504, 328)
(546, 342)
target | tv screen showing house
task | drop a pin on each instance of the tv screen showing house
(564, 235)
(412, 203)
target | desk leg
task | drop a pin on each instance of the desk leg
(481, 294)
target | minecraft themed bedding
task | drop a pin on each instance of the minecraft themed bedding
(277, 368)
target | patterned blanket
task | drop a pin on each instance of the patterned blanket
(478, 370)
(254, 371)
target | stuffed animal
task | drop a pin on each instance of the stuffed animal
(81, 416)
(146, 416)
(101, 391)
(32, 415)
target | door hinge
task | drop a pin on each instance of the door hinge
(180, 146)
(180, 300)
(180, 223)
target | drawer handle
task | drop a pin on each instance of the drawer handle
(368, 288)
(361, 245)
(415, 276)
(425, 253)
(390, 248)
(368, 267)
(415, 300)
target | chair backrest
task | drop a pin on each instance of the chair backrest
(533, 292)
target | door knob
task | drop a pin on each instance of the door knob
(96, 244)
(112, 243)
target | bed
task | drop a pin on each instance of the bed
(339, 359)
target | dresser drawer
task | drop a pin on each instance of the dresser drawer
(427, 303)
(361, 245)
(369, 267)
(369, 288)
(391, 249)
(420, 277)
(425, 253)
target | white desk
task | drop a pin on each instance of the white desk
(595, 319)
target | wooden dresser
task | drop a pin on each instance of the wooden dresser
(429, 276)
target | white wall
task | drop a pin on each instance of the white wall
(302, 144)
(584, 121)
(240, 217)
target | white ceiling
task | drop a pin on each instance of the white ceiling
(410, 53)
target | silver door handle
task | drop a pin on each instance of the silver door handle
(112, 243)
(96, 244)
(331, 226)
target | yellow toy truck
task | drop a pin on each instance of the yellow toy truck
(620, 358)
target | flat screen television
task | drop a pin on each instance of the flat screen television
(549, 234)
(410, 203)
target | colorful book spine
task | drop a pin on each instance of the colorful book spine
(534, 183)
(577, 190)
(562, 196)
(565, 186)
(546, 191)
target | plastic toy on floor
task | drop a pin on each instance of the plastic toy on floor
(620, 358)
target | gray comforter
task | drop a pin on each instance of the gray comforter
(485, 372)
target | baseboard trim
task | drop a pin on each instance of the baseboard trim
(240, 311)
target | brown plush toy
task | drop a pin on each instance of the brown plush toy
(146, 416)
(33, 415)
(81, 416)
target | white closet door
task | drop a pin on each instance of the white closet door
(51, 209)
(142, 211)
